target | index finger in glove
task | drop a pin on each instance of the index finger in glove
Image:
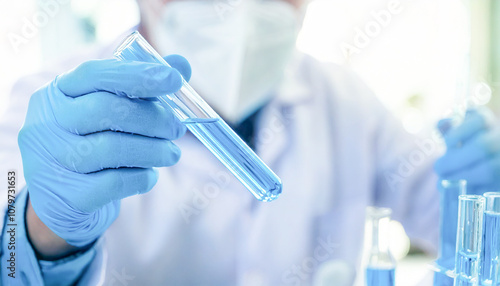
(102, 111)
(132, 79)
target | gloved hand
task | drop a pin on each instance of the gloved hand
(92, 137)
(473, 152)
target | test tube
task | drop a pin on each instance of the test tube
(490, 254)
(449, 191)
(381, 265)
(469, 235)
(207, 126)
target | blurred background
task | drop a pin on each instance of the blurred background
(421, 58)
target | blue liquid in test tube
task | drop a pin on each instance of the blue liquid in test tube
(469, 237)
(467, 265)
(208, 126)
(217, 136)
(382, 277)
(381, 265)
(491, 249)
(489, 268)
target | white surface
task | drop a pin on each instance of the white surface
(414, 271)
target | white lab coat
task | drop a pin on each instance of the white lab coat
(324, 134)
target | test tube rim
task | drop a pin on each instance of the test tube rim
(137, 37)
(472, 198)
(378, 212)
(489, 206)
(491, 194)
(125, 43)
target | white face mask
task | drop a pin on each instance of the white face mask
(237, 53)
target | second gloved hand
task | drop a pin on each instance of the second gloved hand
(92, 137)
(473, 153)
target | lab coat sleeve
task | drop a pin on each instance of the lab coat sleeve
(21, 266)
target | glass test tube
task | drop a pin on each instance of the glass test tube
(469, 235)
(381, 265)
(207, 126)
(449, 191)
(490, 254)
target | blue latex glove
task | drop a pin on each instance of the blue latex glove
(473, 152)
(92, 137)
